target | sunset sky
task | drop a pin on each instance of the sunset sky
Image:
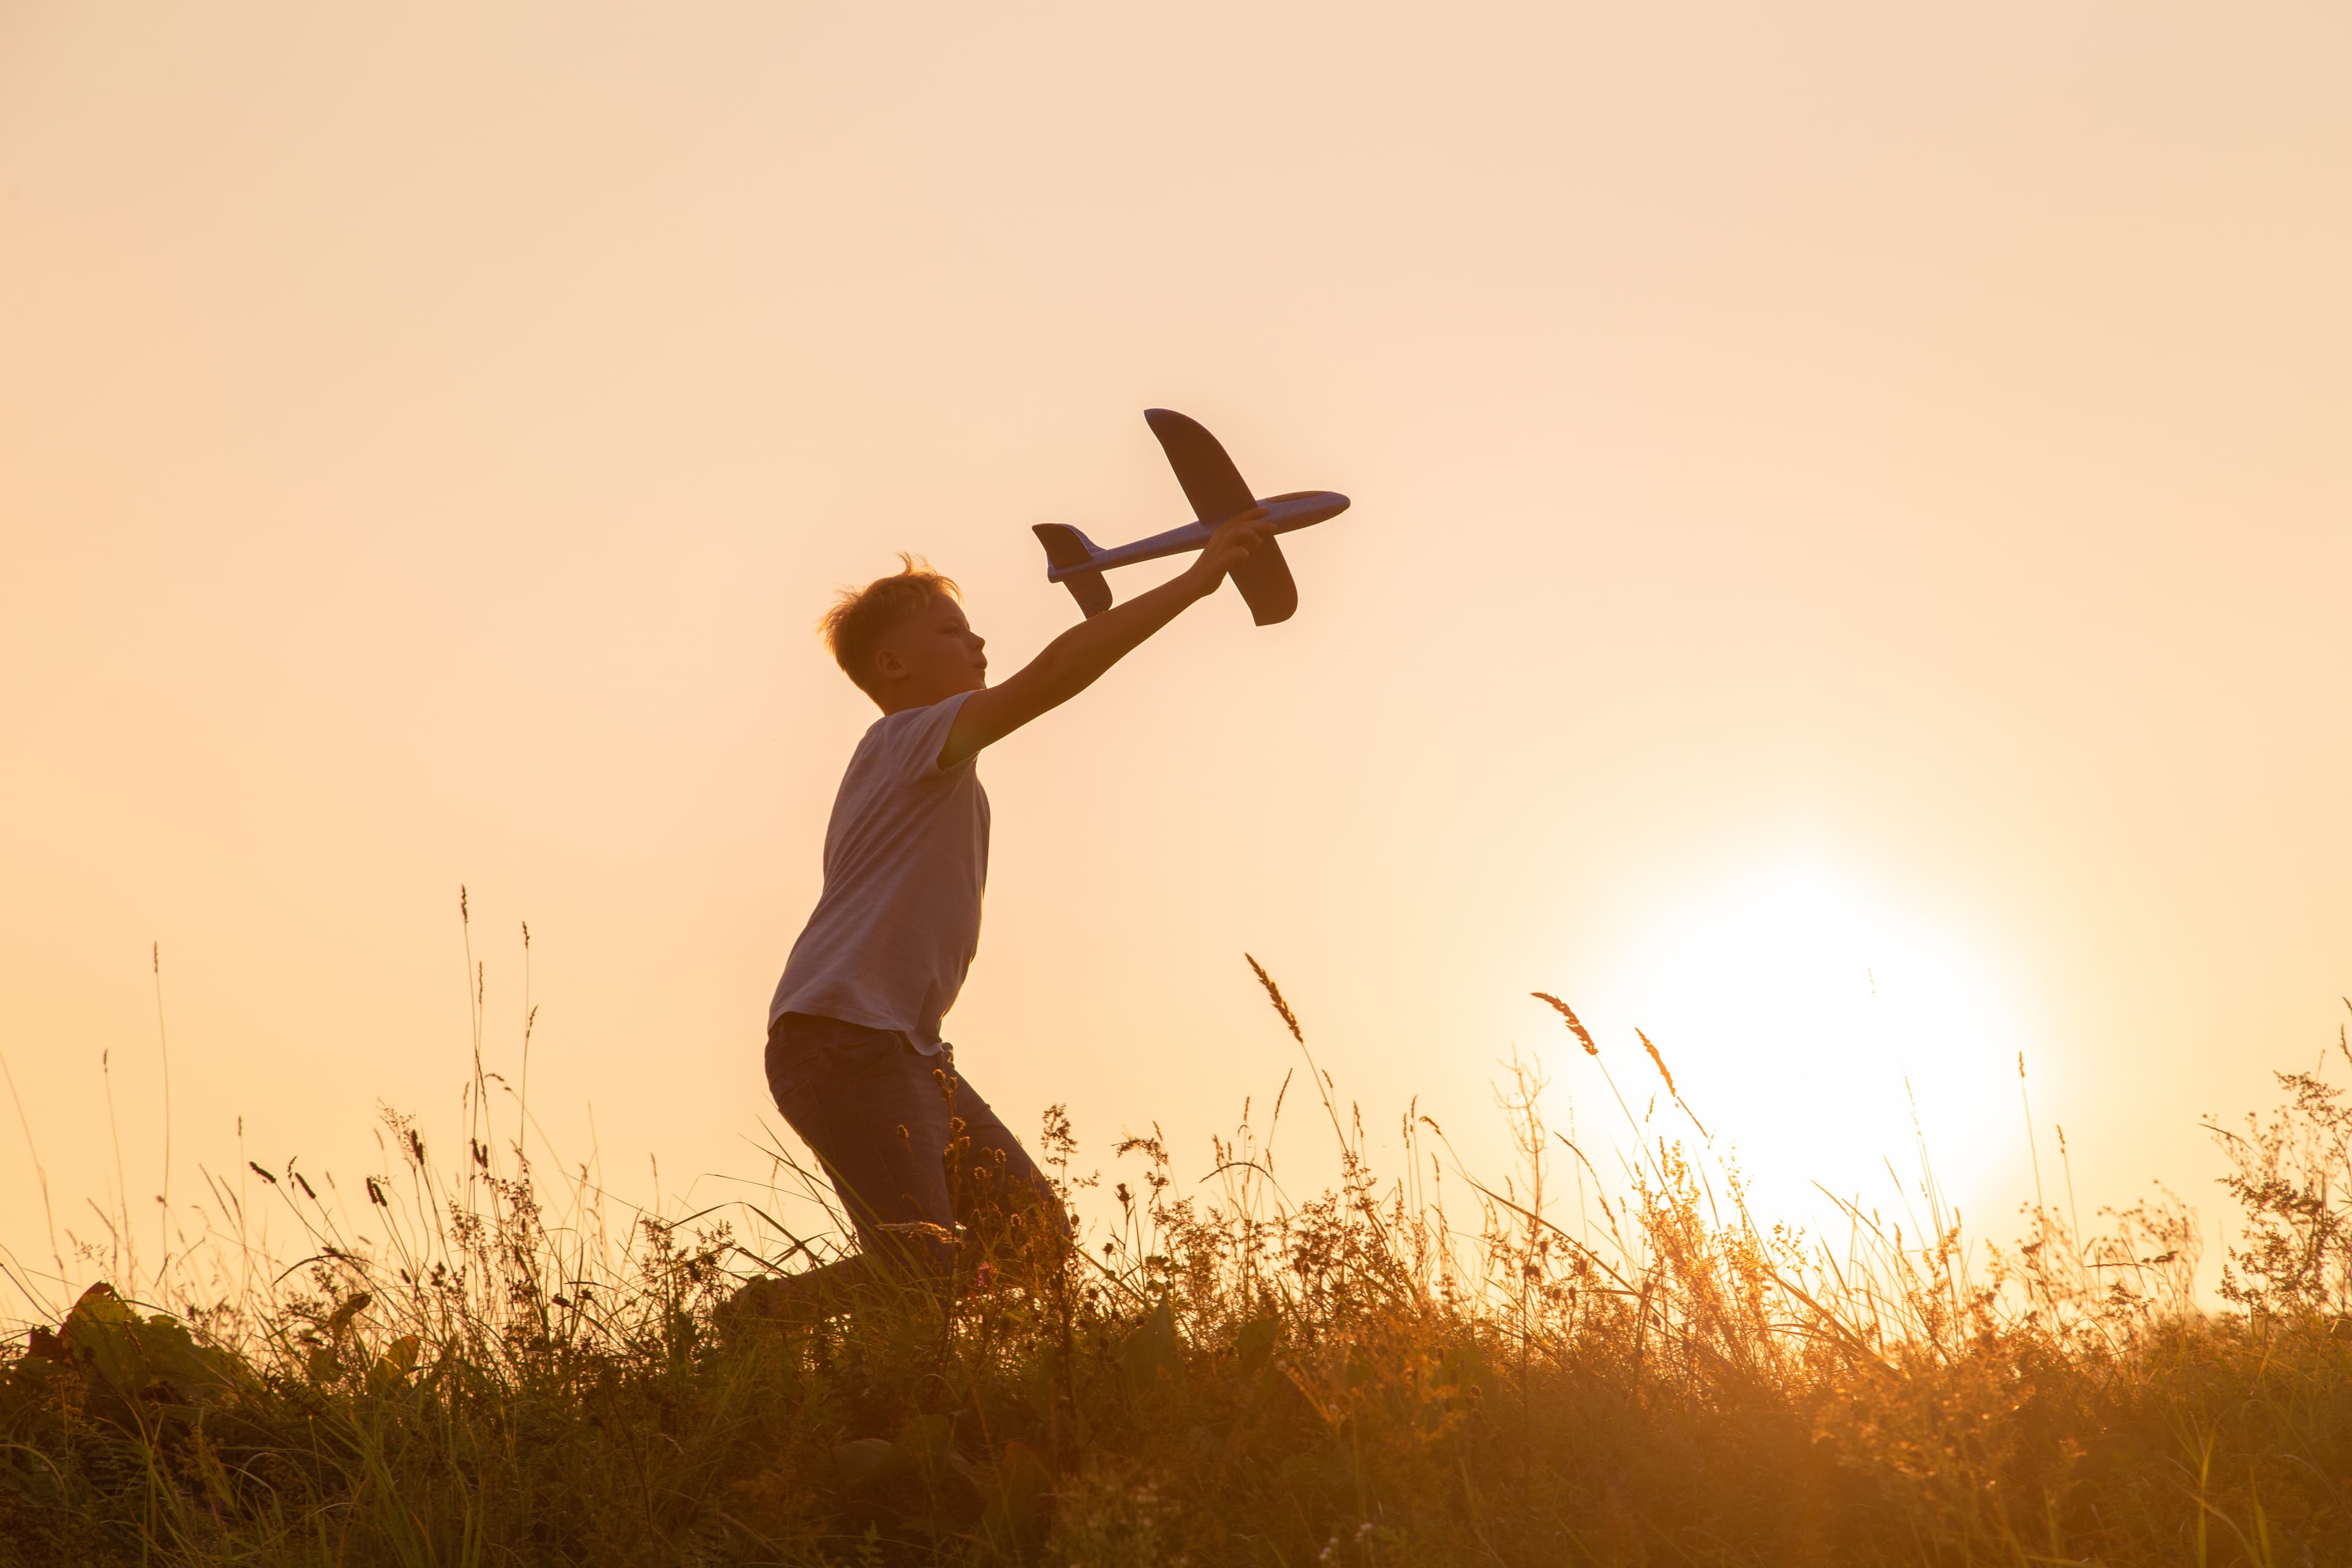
(1848, 571)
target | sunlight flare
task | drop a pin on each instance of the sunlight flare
(1815, 1021)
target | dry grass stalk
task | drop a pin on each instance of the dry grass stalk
(513, 1373)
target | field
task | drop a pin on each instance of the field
(510, 1374)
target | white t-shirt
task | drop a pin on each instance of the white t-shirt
(906, 859)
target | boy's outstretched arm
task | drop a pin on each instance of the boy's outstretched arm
(1071, 662)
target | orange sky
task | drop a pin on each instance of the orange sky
(1846, 573)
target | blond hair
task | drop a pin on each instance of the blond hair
(860, 618)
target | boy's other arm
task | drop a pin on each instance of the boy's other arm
(1073, 661)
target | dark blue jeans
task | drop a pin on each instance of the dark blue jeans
(916, 1154)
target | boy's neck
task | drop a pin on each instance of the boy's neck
(899, 701)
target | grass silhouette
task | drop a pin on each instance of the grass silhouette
(520, 1371)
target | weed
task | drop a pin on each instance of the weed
(509, 1372)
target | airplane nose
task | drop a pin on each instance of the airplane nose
(1300, 508)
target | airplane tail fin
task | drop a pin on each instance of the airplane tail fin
(1066, 546)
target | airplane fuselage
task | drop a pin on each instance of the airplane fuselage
(1299, 508)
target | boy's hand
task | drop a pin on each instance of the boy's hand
(1234, 541)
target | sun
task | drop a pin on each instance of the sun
(1827, 1030)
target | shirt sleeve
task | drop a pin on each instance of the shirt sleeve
(918, 735)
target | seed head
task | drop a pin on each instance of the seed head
(1575, 1024)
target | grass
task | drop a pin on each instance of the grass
(1234, 1378)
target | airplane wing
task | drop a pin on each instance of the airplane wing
(1266, 585)
(1216, 490)
(1211, 481)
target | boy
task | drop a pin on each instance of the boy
(854, 1055)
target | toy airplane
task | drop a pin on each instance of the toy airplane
(1214, 487)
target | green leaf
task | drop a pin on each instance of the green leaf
(1151, 1348)
(1019, 1503)
(137, 1357)
(1255, 1343)
(860, 1460)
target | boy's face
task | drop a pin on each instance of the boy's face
(931, 655)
